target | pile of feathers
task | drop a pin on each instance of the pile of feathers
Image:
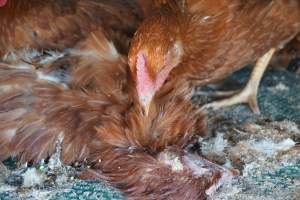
(68, 77)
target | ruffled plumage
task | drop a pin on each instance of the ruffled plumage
(96, 113)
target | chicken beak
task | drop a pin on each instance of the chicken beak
(146, 109)
(146, 104)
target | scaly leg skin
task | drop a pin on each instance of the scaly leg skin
(249, 93)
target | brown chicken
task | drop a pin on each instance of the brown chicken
(62, 24)
(203, 41)
(97, 114)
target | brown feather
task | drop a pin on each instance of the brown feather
(98, 116)
(49, 109)
(142, 176)
(217, 37)
(62, 24)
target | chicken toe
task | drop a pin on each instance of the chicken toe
(249, 93)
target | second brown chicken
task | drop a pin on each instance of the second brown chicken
(202, 41)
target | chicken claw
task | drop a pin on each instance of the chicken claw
(249, 93)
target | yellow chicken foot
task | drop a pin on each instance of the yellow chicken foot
(249, 93)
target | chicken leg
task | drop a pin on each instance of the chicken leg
(249, 93)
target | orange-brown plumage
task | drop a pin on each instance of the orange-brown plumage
(211, 39)
(62, 24)
(97, 114)
(142, 176)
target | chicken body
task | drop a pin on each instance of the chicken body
(96, 116)
(62, 24)
(204, 41)
(244, 33)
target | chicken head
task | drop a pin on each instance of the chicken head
(153, 56)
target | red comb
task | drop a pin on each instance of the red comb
(3, 3)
